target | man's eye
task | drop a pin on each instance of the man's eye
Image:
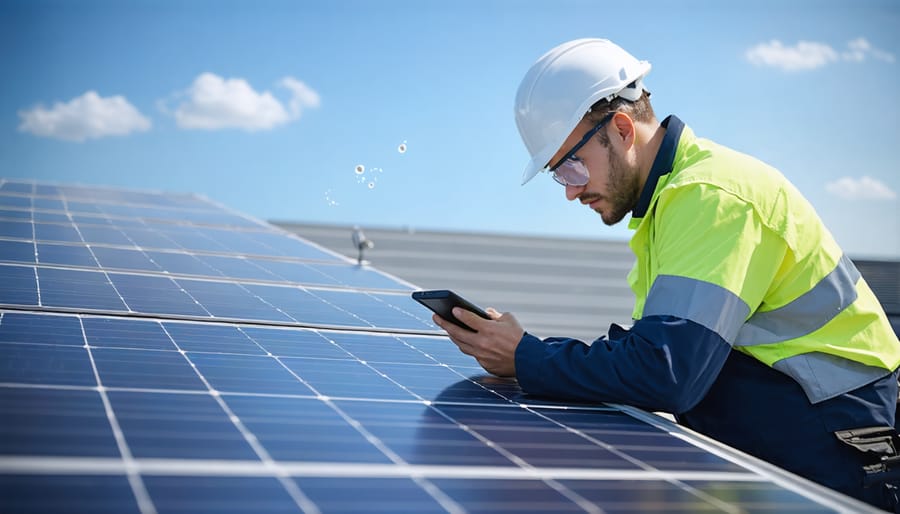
(575, 158)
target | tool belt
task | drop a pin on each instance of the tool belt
(879, 446)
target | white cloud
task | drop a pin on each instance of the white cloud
(302, 96)
(214, 103)
(88, 116)
(807, 55)
(864, 188)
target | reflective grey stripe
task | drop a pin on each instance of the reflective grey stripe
(704, 303)
(823, 376)
(807, 313)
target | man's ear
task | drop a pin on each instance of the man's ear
(623, 130)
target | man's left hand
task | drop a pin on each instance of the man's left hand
(493, 345)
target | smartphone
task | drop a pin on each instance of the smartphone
(442, 303)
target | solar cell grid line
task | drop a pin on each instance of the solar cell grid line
(434, 492)
(134, 478)
(295, 493)
(568, 493)
(266, 458)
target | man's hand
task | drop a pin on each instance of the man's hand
(493, 346)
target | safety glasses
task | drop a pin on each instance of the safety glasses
(570, 170)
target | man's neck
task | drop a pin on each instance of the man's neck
(650, 136)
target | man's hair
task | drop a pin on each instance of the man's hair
(640, 110)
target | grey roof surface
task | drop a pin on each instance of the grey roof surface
(555, 286)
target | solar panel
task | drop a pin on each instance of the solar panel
(164, 354)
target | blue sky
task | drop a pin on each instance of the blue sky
(269, 107)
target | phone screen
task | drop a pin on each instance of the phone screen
(443, 301)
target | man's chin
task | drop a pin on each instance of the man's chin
(610, 219)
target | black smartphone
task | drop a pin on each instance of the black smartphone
(442, 303)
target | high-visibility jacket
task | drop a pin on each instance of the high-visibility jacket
(728, 242)
(729, 256)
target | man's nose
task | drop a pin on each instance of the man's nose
(572, 192)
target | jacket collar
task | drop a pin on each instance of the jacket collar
(662, 165)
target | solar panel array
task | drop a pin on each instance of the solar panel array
(161, 353)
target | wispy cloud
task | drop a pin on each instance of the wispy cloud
(213, 102)
(808, 55)
(88, 116)
(864, 188)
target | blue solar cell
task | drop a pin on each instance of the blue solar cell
(435, 382)
(51, 204)
(356, 276)
(23, 202)
(387, 495)
(192, 239)
(17, 251)
(286, 244)
(419, 434)
(295, 272)
(50, 217)
(182, 264)
(442, 350)
(125, 333)
(236, 268)
(124, 259)
(378, 348)
(247, 374)
(304, 307)
(145, 369)
(197, 337)
(16, 229)
(377, 310)
(345, 378)
(298, 429)
(78, 289)
(19, 285)
(219, 495)
(91, 219)
(103, 235)
(15, 215)
(178, 426)
(54, 422)
(82, 207)
(56, 232)
(235, 241)
(479, 495)
(294, 343)
(38, 364)
(17, 187)
(18, 327)
(148, 238)
(157, 295)
(88, 494)
(229, 300)
(66, 255)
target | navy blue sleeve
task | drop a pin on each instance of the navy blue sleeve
(662, 363)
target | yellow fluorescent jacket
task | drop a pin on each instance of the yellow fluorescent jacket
(729, 243)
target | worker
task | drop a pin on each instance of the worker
(750, 324)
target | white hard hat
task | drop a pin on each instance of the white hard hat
(561, 87)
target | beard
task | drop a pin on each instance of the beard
(624, 189)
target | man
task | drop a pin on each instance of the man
(751, 325)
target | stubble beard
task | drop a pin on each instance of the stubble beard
(624, 189)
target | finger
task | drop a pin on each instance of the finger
(457, 333)
(469, 318)
(493, 313)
